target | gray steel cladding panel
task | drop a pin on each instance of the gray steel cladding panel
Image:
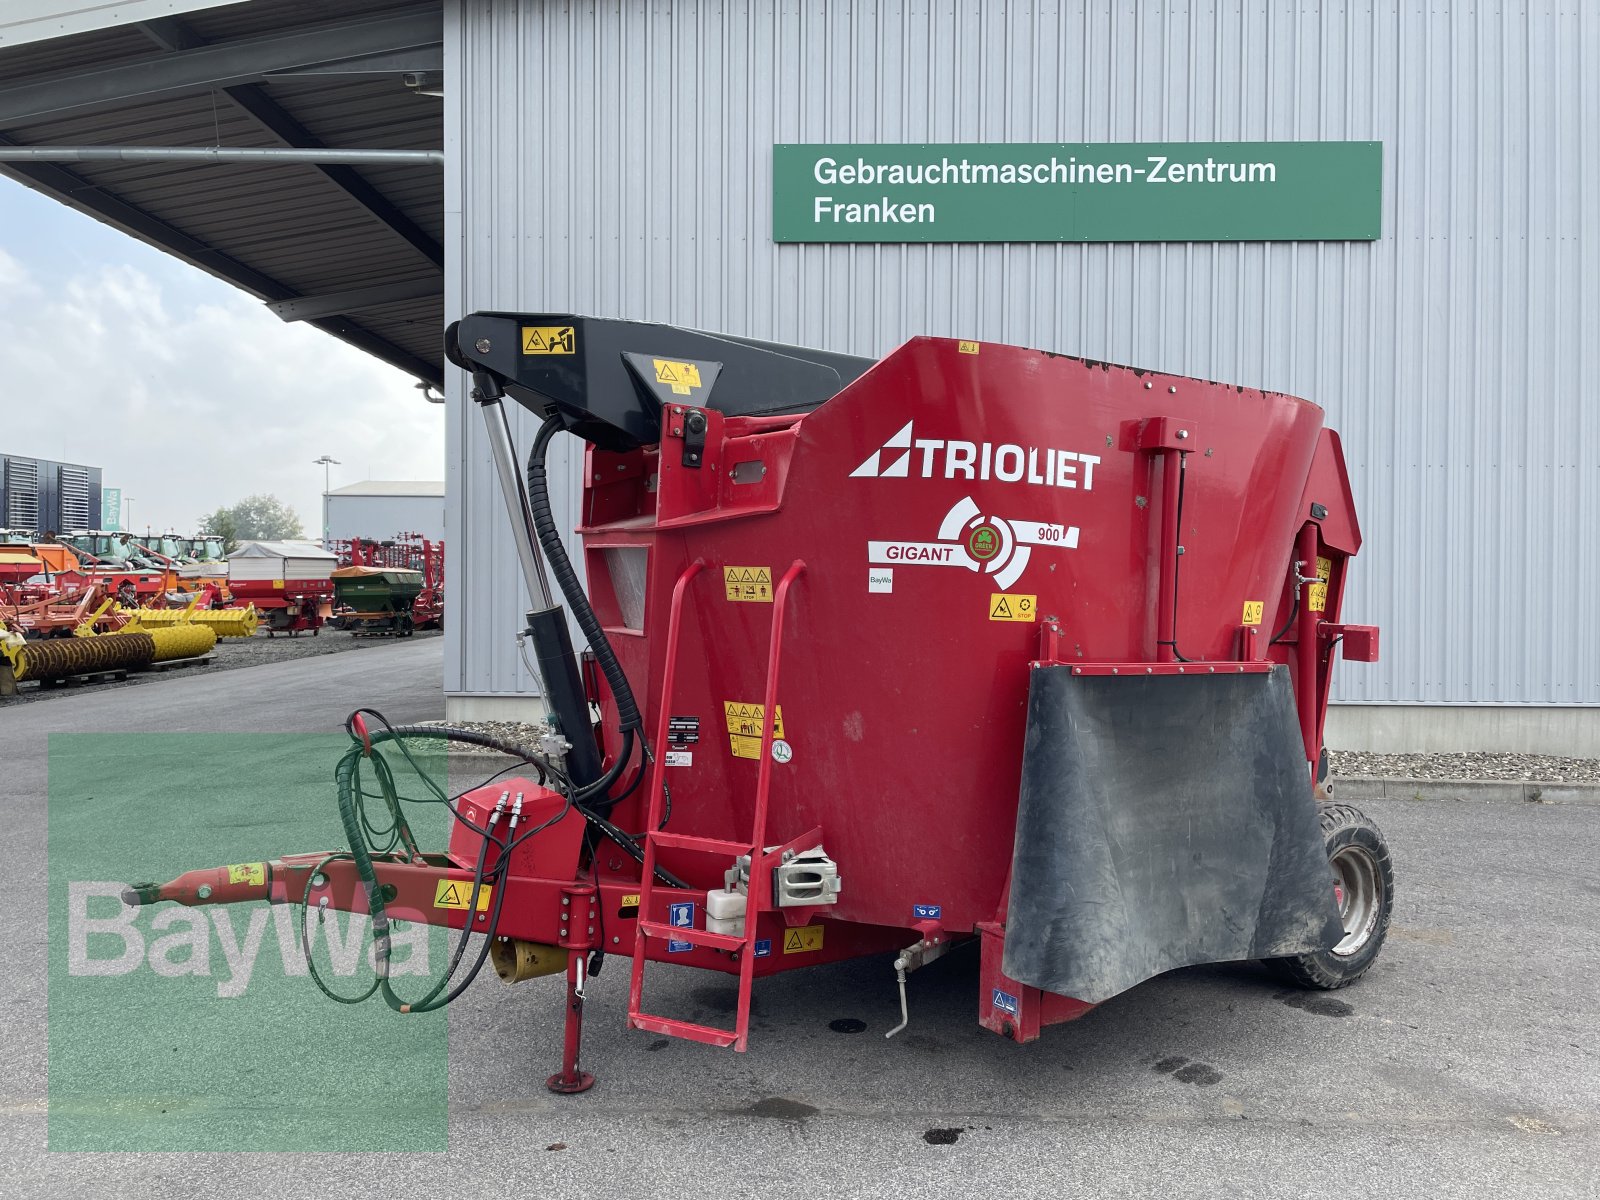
(616, 160)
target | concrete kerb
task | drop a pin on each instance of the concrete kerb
(1521, 791)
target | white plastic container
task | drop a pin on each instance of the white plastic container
(725, 912)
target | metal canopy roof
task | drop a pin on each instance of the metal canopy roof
(355, 251)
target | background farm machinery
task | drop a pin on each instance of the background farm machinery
(289, 584)
(61, 619)
(393, 586)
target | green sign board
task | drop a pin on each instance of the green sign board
(1062, 192)
(111, 509)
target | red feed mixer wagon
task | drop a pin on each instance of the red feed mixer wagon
(973, 643)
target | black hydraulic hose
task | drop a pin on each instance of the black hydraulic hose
(505, 746)
(430, 1002)
(600, 786)
(567, 579)
(1294, 611)
(472, 737)
(358, 828)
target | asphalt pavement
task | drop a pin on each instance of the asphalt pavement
(1467, 1063)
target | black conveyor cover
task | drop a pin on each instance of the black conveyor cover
(1164, 821)
(608, 380)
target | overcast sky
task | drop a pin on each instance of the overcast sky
(187, 391)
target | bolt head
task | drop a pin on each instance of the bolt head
(482, 345)
(1183, 435)
(1172, 390)
(204, 891)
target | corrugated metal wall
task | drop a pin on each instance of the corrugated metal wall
(616, 159)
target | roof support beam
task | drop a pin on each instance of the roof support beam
(267, 113)
(270, 115)
(329, 304)
(76, 191)
(169, 33)
(247, 155)
(218, 64)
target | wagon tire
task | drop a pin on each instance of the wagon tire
(1363, 882)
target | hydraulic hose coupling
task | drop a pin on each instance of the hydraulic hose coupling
(359, 724)
(380, 926)
(488, 830)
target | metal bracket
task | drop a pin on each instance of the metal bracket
(694, 437)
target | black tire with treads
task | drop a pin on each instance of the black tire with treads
(1352, 835)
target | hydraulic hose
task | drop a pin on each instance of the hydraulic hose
(555, 554)
(358, 830)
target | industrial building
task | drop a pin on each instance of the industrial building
(1437, 296)
(38, 494)
(381, 508)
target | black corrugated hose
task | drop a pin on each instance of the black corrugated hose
(628, 719)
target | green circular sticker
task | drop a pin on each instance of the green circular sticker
(983, 543)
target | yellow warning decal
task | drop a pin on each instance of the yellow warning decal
(255, 874)
(1317, 596)
(744, 746)
(1012, 606)
(967, 347)
(549, 339)
(679, 376)
(631, 900)
(1253, 610)
(277, 583)
(799, 941)
(746, 719)
(455, 893)
(749, 584)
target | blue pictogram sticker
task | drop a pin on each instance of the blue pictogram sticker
(764, 948)
(677, 947)
(927, 912)
(681, 915)
(1005, 1002)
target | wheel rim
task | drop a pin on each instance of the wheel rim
(1358, 888)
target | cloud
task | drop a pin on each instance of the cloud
(191, 395)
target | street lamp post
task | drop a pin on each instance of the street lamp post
(325, 462)
(127, 514)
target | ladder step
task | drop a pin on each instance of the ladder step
(697, 937)
(705, 845)
(706, 1034)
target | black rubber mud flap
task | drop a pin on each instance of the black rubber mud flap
(1164, 821)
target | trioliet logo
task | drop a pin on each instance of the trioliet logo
(952, 458)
